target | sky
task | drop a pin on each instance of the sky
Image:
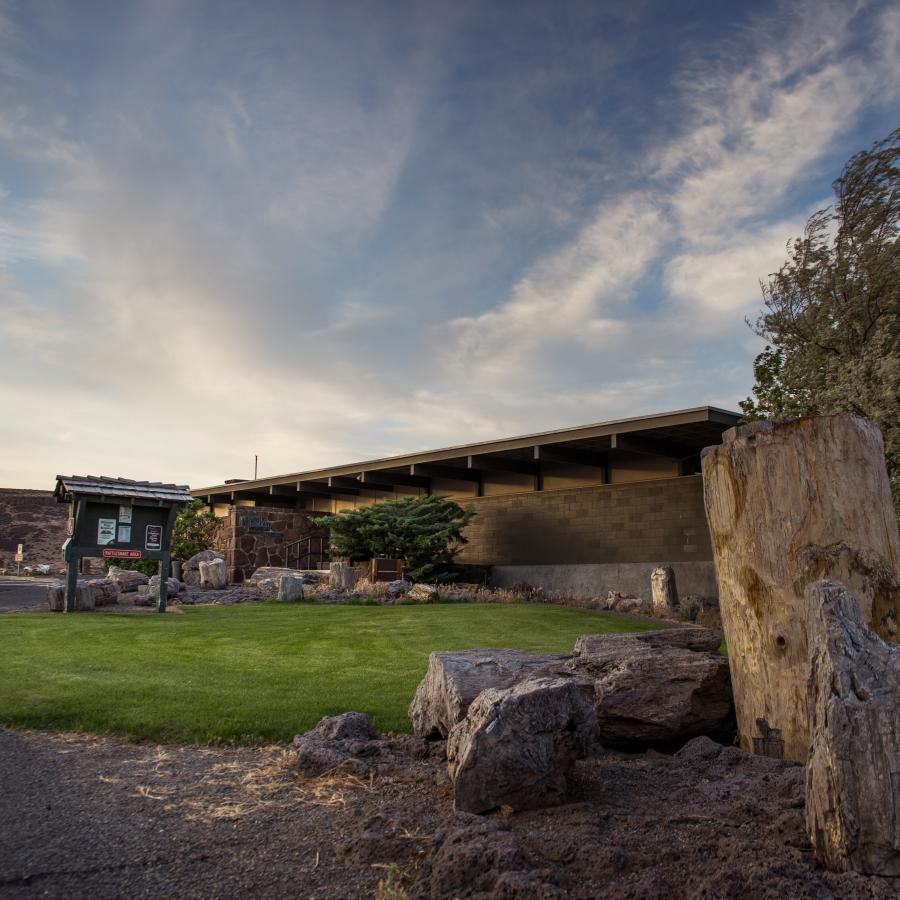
(328, 232)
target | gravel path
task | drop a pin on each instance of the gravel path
(98, 817)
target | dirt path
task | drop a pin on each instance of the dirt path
(89, 817)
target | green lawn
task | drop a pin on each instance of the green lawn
(251, 673)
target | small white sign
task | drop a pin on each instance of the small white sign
(124, 515)
(124, 534)
(106, 531)
(153, 538)
(20, 553)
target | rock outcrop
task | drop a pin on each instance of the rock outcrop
(455, 678)
(517, 747)
(213, 574)
(190, 570)
(126, 580)
(852, 786)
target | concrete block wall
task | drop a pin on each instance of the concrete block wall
(643, 522)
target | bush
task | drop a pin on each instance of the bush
(424, 532)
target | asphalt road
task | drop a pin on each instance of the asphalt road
(16, 593)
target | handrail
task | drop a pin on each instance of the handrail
(294, 549)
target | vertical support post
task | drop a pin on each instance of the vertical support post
(163, 583)
(71, 581)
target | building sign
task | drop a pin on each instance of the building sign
(112, 553)
(124, 516)
(124, 534)
(259, 524)
(106, 531)
(153, 537)
(20, 553)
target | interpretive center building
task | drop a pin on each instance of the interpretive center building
(581, 510)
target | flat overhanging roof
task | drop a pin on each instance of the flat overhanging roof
(677, 435)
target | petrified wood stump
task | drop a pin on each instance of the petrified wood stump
(789, 503)
(853, 773)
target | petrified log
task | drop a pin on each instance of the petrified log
(663, 591)
(648, 692)
(213, 575)
(455, 678)
(789, 503)
(517, 747)
(852, 789)
(126, 580)
(190, 571)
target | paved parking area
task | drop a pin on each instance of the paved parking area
(22, 593)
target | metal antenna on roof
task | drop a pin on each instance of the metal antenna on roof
(255, 465)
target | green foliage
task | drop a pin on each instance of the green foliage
(425, 532)
(832, 312)
(194, 530)
(229, 674)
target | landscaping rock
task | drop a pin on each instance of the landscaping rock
(396, 589)
(649, 692)
(348, 726)
(664, 592)
(84, 596)
(852, 787)
(213, 574)
(173, 585)
(190, 571)
(620, 603)
(126, 580)
(290, 588)
(338, 742)
(105, 591)
(423, 593)
(264, 573)
(342, 575)
(455, 678)
(517, 747)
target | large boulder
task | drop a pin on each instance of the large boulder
(423, 593)
(126, 580)
(853, 771)
(105, 591)
(213, 574)
(290, 588)
(337, 743)
(664, 593)
(517, 747)
(277, 583)
(455, 678)
(173, 586)
(190, 570)
(649, 691)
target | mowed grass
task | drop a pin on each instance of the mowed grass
(251, 673)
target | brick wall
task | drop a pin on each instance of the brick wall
(647, 521)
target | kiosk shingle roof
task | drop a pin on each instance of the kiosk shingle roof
(103, 486)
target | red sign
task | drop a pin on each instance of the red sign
(121, 554)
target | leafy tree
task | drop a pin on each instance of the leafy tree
(425, 532)
(832, 312)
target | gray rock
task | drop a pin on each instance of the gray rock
(852, 786)
(105, 591)
(290, 588)
(337, 743)
(265, 573)
(455, 678)
(173, 585)
(517, 747)
(348, 726)
(423, 593)
(126, 580)
(397, 588)
(213, 574)
(88, 595)
(649, 692)
(190, 570)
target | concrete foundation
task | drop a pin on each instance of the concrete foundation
(596, 579)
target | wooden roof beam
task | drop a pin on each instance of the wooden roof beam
(634, 443)
(385, 480)
(452, 473)
(571, 456)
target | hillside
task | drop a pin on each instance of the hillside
(35, 519)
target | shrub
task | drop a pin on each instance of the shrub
(424, 532)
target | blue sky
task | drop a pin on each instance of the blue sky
(323, 232)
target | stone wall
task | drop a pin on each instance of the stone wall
(254, 536)
(661, 521)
